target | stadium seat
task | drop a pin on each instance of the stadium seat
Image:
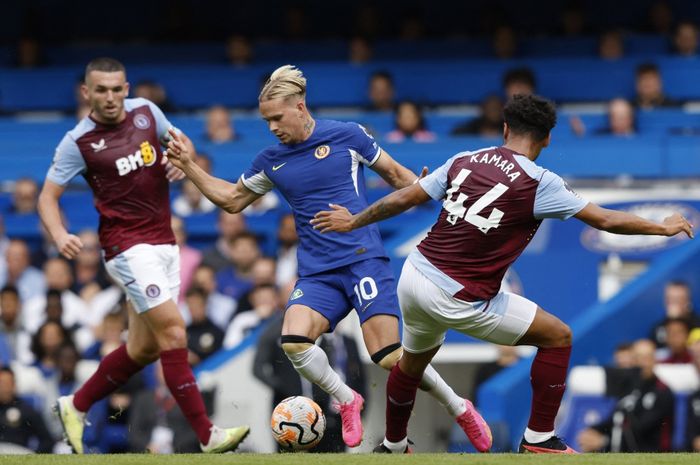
(339, 84)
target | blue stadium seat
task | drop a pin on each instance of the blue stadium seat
(646, 45)
(683, 159)
(560, 47)
(342, 84)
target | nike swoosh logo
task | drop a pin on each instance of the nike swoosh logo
(130, 282)
(275, 168)
(367, 306)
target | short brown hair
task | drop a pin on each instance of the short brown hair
(105, 64)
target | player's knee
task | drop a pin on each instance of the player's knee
(561, 336)
(144, 355)
(292, 344)
(389, 356)
(566, 335)
(172, 337)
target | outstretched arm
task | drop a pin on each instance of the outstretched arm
(393, 172)
(68, 244)
(618, 222)
(231, 197)
(339, 218)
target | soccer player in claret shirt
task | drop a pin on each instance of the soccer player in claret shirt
(317, 162)
(115, 149)
(493, 201)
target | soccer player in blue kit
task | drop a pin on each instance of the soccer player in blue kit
(316, 163)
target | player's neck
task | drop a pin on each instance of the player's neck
(309, 126)
(524, 146)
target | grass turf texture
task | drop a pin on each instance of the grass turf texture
(359, 459)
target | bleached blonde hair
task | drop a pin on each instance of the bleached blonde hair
(285, 81)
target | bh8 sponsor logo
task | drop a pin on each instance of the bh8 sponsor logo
(144, 156)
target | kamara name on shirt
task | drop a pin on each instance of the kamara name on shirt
(498, 161)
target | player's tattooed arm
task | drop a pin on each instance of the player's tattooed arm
(394, 173)
(339, 218)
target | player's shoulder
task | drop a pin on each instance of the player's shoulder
(131, 104)
(83, 127)
(532, 169)
(323, 124)
(336, 128)
(270, 152)
(467, 155)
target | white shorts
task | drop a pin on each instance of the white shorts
(428, 312)
(148, 274)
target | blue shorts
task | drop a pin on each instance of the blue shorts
(367, 286)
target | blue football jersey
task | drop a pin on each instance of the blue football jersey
(326, 168)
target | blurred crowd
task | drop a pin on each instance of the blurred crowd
(58, 318)
(682, 37)
(409, 121)
(366, 24)
(643, 417)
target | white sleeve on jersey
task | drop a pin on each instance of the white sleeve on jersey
(162, 123)
(258, 182)
(254, 178)
(67, 162)
(368, 150)
(435, 184)
(554, 198)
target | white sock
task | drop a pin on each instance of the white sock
(396, 447)
(313, 365)
(434, 385)
(533, 437)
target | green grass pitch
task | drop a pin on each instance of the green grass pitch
(358, 459)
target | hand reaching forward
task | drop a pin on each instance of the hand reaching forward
(172, 172)
(676, 223)
(339, 219)
(179, 152)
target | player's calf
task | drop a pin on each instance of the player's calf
(311, 362)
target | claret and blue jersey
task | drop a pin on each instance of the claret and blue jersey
(326, 168)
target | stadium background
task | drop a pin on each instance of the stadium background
(443, 56)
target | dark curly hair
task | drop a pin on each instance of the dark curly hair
(530, 114)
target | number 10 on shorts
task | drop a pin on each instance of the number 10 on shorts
(366, 290)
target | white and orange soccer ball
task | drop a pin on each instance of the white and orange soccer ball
(298, 423)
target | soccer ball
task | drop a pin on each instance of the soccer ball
(298, 423)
